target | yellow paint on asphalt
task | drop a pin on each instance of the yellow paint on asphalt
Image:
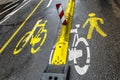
(10, 39)
(35, 39)
(93, 20)
(60, 53)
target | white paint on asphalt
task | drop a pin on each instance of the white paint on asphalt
(88, 55)
(75, 52)
(49, 3)
(81, 40)
(77, 25)
(11, 4)
(75, 31)
(8, 9)
(50, 59)
(9, 15)
(81, 70)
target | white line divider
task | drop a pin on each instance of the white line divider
(8, 9)
(49, 3)
(12, 13)
(61, 13)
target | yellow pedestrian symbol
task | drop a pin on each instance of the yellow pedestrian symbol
(93, 20)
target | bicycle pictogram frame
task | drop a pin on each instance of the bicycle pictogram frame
(33, 38)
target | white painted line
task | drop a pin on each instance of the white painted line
(81, 39)
(50, 59)
(9, 15)
(88, 55)
(75, 61)
(81, 70)
(8, 9)
(49, 3)
(51, 54)
(10, 4)
(24, 0)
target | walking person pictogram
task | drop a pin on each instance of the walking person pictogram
(93, 20)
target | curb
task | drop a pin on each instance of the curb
(60, 53)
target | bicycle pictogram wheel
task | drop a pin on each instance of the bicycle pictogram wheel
(22, 43)
(83, 69)
(42, 37)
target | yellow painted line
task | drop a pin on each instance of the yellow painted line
(10, 39)
(61, 48)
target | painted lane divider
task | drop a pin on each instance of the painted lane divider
(60, 52)
(61, 13)
(58, 68)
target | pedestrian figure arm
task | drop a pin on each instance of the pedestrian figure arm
(101, 20)
(85, 23)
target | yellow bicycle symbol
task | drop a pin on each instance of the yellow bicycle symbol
(36, 39)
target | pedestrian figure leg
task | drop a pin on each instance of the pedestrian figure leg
(100, 31)
(89, 36)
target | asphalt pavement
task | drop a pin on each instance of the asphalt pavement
(103, 61)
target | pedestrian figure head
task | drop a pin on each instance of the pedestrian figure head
(91, 14)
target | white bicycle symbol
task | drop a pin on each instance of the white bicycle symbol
(75, 53)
